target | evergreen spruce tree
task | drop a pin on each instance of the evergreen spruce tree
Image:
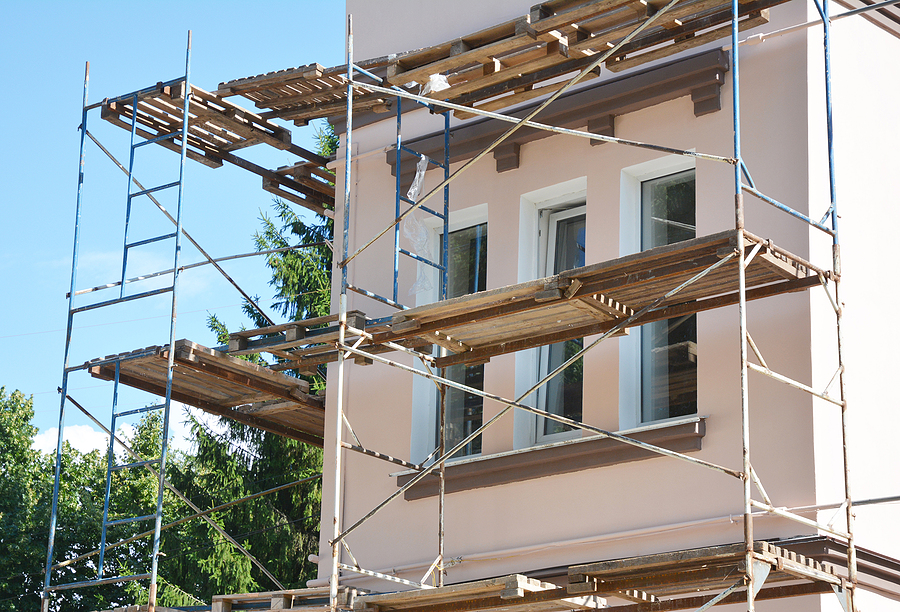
(281, 529)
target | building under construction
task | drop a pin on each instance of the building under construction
(589, 346)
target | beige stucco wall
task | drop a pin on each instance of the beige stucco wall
(866, 84)
(634, 508)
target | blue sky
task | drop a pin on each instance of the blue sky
(130, 46)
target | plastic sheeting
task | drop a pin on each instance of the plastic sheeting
(416, 232)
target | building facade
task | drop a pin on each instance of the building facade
(535, 496)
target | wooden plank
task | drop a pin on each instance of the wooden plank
(515, 98)
(153, 386)
(702, 555)
(233, 87)
(515, 592)
(738, 597)
(295, 394)
(429, 55)
(302, 361)
(316, 111)
(268, 408)
(278, 189)
(532, 341)
(302, 173)
(324, 335)
(477, 55)
(781, 265)
(114, 118)
(507, 79)
(573, 15)
(624, 63)
(187, 349)
(307, 323)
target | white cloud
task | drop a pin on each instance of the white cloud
(84, 438)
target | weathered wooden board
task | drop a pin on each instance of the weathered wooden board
(216, 129)
(506, 64)
(305, 600)
(577, 303)
(515, 593)
(689, 571)
(218, 383)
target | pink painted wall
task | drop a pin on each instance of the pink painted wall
(659, 504)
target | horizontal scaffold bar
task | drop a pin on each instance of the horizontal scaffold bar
(787, 209)
(128, 298)
(549, 128)
(97, 582)
(785, 513)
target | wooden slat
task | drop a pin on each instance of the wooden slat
(619, 64)
(512, 593)
(218, 383)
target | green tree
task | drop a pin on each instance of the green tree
(26, 486)
(22, 483)
(282, 529)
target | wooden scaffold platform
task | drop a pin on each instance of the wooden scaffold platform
(573, 304)
(505, 64)
(224, 386)
(677, 580)
(216, 129)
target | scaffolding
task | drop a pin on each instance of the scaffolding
(729, 268)
(642, 580)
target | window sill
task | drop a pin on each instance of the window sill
(683, 435)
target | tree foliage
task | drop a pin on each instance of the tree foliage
(280, 529)
(26, 486)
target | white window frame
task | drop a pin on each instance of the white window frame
(549, 218)
(424, 404)
(533, 239)
(629, 243)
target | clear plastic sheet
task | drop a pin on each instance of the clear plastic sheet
(416, 232)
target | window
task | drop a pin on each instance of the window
(466, 273)
(563, 394)
(668, 360)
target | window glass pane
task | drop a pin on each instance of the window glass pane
(467, 261)
(667, 205)
(464, 410)
(668, 348)
(563, 395)
(466, 273)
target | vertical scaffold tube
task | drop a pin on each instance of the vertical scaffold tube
(445, 270)
(342, 314)
(399, 153)
(742, 308)
(170, 365)
(836, 262)
(54, 506)
(442, 447)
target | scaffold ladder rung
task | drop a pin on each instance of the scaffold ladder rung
(150, 240)
(130, 519)
(96, 582)
(140, 410)
(169, 136)
(154, 189)
(126, 466)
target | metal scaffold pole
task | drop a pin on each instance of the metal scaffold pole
(839, 310)
(338, 423)
(742, 311)
(170, 365)
(45, 595)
